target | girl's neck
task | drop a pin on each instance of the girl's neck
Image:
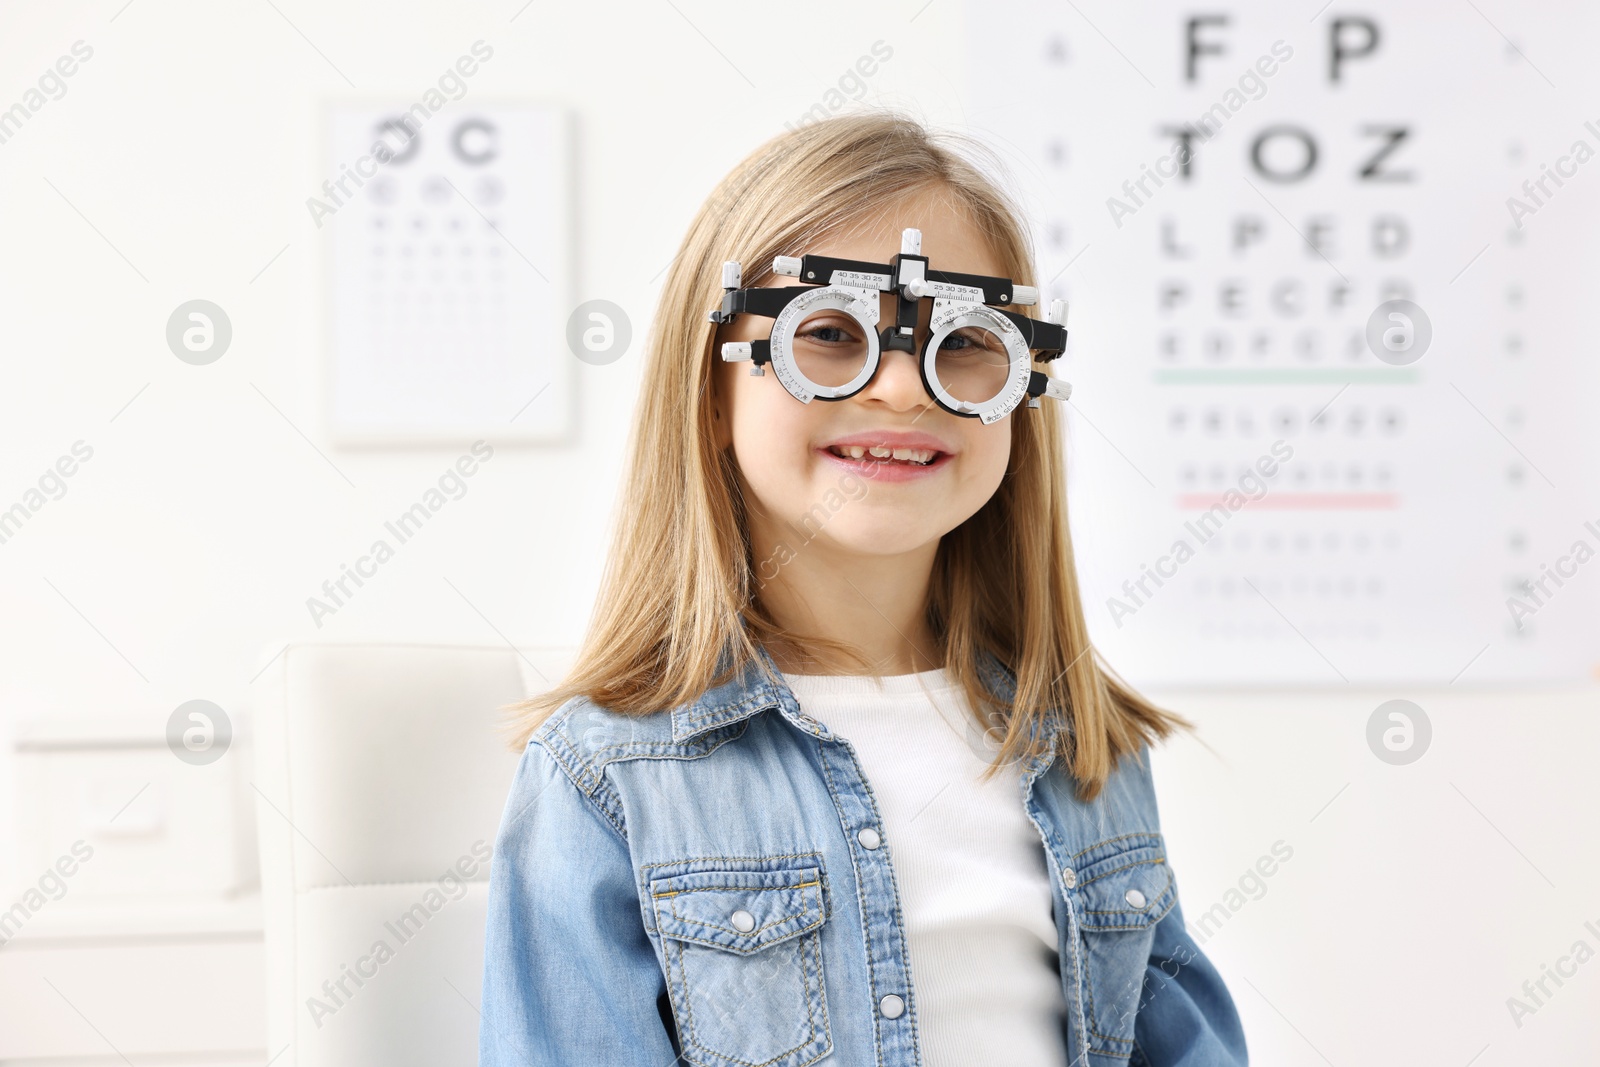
(874, 604)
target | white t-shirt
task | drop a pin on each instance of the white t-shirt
(969, 865)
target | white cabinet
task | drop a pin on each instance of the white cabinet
(133, 928)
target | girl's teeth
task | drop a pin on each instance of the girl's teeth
(919, 456)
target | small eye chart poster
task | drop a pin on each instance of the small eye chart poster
(449, 273)
(1330, 274)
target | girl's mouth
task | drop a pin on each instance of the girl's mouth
(882, 463)
(916, 457)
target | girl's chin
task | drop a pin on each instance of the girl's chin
(861, 547)
(836, 530)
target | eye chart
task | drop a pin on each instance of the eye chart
(449, 273)
(1334, 386)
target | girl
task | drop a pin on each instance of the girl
(836, 777)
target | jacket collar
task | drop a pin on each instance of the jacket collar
(751, 689)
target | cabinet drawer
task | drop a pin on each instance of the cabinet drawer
(205, 995)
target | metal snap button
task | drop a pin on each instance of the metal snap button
(868, 837)
(1134, 898)
(891, 1006)
(743, 921)
(1069, 877)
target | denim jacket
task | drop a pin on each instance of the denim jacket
(712, 883)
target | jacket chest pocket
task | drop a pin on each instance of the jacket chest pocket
(1121, 896)
(743, 956)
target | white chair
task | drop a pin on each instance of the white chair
(381, 774)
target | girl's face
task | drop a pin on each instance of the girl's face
(817, 474)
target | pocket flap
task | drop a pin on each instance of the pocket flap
(739, 911)
(1128, 890)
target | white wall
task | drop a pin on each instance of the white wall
(1417, 899)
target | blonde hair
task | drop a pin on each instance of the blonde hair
(680, 591)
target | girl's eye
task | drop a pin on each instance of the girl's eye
(971, 342)
(827, 333)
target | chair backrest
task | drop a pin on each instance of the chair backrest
(381, 774)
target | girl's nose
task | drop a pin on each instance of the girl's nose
(898, 382)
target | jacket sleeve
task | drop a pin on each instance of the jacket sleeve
(570, 978)
(1187, 1018)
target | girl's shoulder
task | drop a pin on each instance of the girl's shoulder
(585, 737)
(590, 735)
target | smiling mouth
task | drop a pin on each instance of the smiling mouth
(913, 457)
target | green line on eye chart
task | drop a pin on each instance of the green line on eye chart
(1280, 376)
